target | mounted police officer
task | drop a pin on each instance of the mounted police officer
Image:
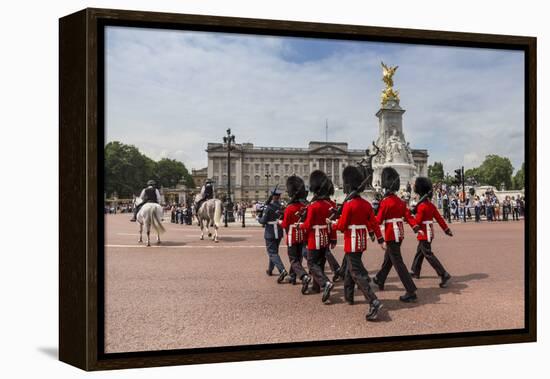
(150, 194)
(273, 234)
(207, 193)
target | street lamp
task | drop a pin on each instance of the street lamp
(228, 140)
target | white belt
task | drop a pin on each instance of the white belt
(289, 234)
(428, 229)
(354, 229)
(394, 222)
(275, 228)
(318, 235)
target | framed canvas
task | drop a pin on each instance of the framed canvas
(270, 135)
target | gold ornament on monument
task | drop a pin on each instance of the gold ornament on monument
(387, 77)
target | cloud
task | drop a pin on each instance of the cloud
(171, 92)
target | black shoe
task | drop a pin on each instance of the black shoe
(269, 273)
(282, 276)
(305, 283)
(408, 298)
(350, 301)
(326, 291)
(414, 275)
(292, 279)
(378, 283)
(374, 308)
(445, 280)
(337, 275)
(133, 219)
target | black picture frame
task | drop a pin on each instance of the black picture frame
(81, 74)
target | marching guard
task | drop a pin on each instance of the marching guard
(391, 212)
(295, 237)
(356, 219)
(318, 238)
(273, 234)
(425, 214)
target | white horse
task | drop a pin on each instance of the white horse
(149, 215)
(209, 214)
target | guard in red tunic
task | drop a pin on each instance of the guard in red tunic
(295, 237)
(391, 212)
(425, 214)
(318, 236)
(356, 219)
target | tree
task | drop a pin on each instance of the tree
(496, 170)
(518, 181)
(126, 169)
(170, 172)
(436, 173)
(473, 173)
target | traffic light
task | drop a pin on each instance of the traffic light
(458, 176)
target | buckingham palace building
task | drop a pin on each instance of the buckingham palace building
(256, 169)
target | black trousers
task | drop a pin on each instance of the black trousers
(316, 260)
(332, 262)
(424, 250)
(356, 273)
(393, 258)
(295, 257)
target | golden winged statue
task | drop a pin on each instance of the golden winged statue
(387, 77)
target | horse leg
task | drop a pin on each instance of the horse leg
(216, 233)
(208, 225)
(148, 235)
(202, 230)
(140, 233)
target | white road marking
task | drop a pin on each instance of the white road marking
(189, 246)
(193, 235)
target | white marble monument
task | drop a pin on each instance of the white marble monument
(394, 149)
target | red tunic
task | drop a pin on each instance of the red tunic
(391, 212)
(294, 235)
(356, 220)
(315, 224)
(425, 213)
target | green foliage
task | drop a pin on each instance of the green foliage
(127, 170)
(435, 172)
(169, 172)
(494, 171)
(518, 181)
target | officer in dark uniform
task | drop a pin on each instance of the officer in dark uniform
(148, 195)
(207, 193)
(273, 234)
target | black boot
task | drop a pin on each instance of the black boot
(268, 272)
(445, 280)
(378, 283)
(408, 297)
(282, 276)
(326, 291)
(374, 308)
(306, 279)
(292, 279)
(414, 275)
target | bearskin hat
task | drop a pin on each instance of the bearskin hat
(352, 178)
(390, 179)
(318, 182)
(422, 185)
(295, 187)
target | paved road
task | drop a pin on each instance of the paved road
(190, 293)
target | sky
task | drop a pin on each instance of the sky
(169, 93)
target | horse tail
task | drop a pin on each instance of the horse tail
(155, 220)
(217, 213)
